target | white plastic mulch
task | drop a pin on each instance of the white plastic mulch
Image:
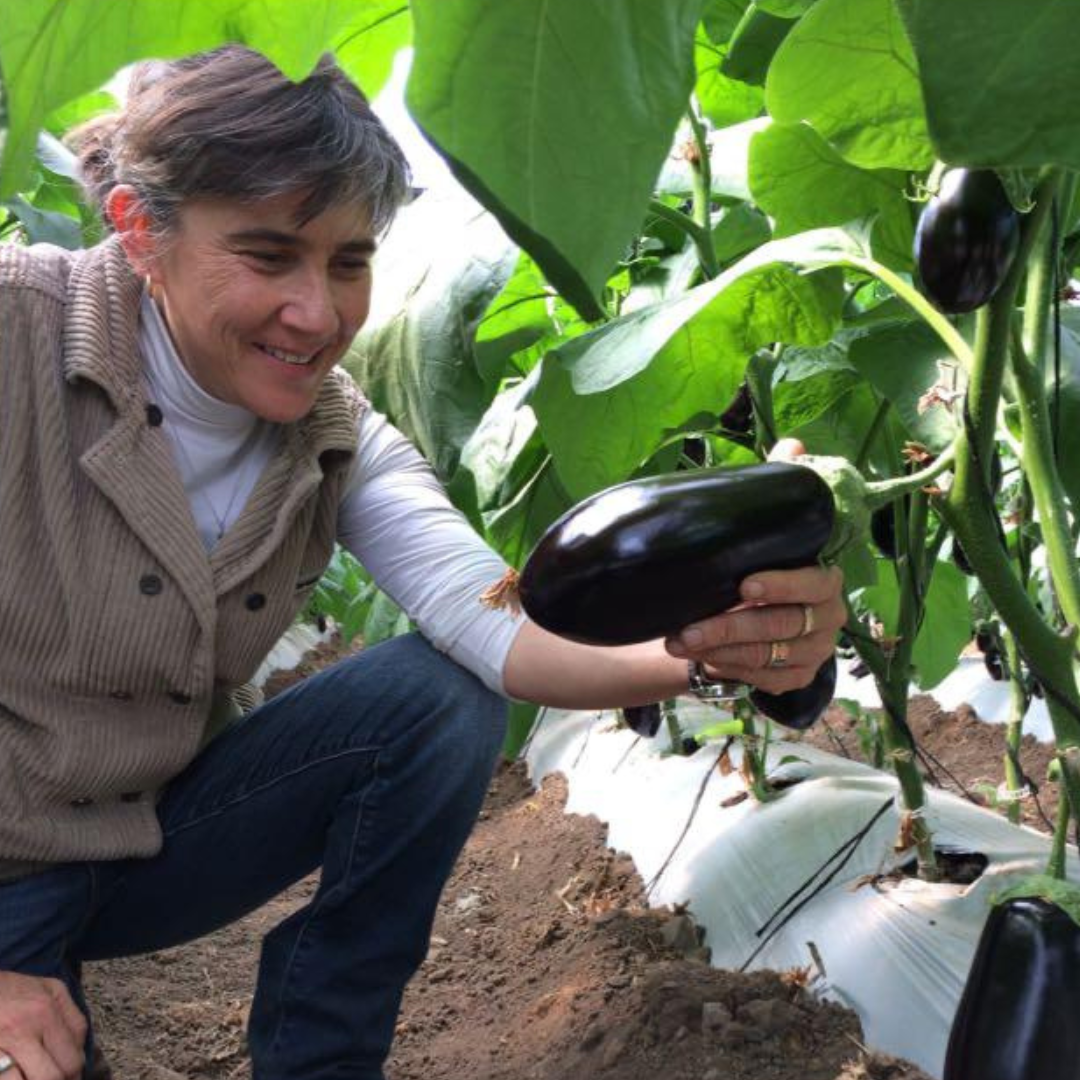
(896, 951)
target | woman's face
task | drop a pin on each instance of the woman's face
(260, 308)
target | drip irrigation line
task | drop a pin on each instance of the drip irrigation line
(835, 738)
(654, 880)
(847, 850)
(626, 753)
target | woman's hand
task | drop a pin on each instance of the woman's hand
(41, 1029)
(802, 610)
(784, 630)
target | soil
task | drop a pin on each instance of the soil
(545, 963)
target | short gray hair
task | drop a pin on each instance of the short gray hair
(227, 123)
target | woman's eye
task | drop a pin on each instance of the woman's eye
(273, 259)
(352, 267)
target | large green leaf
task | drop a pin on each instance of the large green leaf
(366, 47)
(720, 17)
(803, 183)
(723, 100)
(946, 625)
(443, 262)
(557, 115)
(52, 51)
(1000, 78)
(848, 69)
(754, 43)
(609, 399)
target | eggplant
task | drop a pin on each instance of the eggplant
(1017, 1018)
(799, 709)
(644, 559)
(883, 530)
(738, 417)
(994, 667)
(966, 240)
(643, 719)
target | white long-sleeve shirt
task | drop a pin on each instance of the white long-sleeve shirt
(395, 517)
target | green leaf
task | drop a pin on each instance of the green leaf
(53, 51)
(662, 365)
(1066, 411)
(723, 100)
(720, 17)
(803, 183)
(902, 361)
(786, 9)
(78, 111)
(946, 624)
(753, 45)
(848, 69)
(514, 529)
(540, 105)
(384, 620)
(443, 262)
(45, 226)
(523, 715)
(366, 47)
(739, 230)
(1000, 78)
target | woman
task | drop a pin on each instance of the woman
(178, 456)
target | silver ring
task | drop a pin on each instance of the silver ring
(6, 1062)
(807, 620)
(779, 651)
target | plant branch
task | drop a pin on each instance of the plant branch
(702, 238)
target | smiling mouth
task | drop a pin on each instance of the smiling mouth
(293, 359)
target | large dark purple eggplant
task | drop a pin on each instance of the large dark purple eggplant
(966, 240)
(799, 709)
(1017, 1018)
(644, 559)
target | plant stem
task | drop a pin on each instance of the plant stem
(671, 721)
(702, 171)
(1037, 458)
(1018, 706)
(1056, 866)
(915, 300)
(969, 512)
(875, 426)
(886, 491)
(702, 238)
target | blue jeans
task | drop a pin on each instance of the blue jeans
(375, 770)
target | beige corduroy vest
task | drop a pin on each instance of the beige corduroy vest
(118, 633)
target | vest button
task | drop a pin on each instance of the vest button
(150, 585)
(82, 800)
(154, 415)
(255, 601)
(178, 697)
(131, 796)
(121, 695)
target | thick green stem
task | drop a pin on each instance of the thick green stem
(702, 238)
(969, 512)
(1018, 706)
(917, 302)
(1038, 459)
(1056, 866)
(885, 491)
(671, 722)
(701, 167)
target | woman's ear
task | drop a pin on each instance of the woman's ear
(132, 225)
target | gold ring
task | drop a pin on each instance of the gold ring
(807, 620)
(778, 654)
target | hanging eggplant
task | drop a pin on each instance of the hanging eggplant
(966, 240)
(1017, 1018)
(799, 709)
(643, 719)
(644, 559)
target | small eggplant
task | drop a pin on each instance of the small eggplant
(1017, 1018)
(994, 667)
(643, 719)
(643, 559)
(799, 709)
(966, 240)
(883, 530)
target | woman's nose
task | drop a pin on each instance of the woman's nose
(310, 308)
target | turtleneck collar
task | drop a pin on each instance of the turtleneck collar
(174, 388)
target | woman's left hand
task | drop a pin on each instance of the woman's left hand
(785, 630)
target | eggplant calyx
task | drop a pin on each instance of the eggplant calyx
(850, 493)
(1063, 894)
(503, 593)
